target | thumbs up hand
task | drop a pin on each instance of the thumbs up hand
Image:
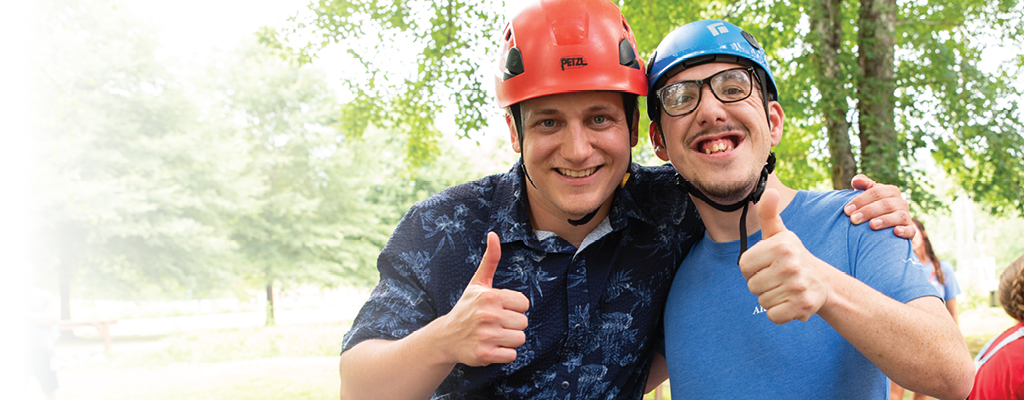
(789, 281)
(486, 325)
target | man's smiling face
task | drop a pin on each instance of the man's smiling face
(576, 150)
(719, 147)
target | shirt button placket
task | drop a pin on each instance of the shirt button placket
(578, 299)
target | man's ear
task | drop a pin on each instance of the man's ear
(657, 142)
(512, 133)
(634, 134)
(775, 118)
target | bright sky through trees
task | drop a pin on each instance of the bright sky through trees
(197, 27)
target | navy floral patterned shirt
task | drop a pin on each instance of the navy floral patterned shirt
(595, 314)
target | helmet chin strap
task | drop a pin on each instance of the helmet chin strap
(754, 197)
(584, 220)
(588, 217)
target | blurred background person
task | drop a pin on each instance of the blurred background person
(1001, 362)
(42, 335)
(942, 277)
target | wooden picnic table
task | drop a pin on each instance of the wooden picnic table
(102, 326)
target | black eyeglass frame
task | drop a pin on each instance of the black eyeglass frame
(700, 92)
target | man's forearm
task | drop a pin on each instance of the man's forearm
(410, 368)
(915, 344)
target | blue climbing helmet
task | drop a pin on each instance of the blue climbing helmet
(703, 42)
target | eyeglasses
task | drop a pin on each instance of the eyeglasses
(728, 86)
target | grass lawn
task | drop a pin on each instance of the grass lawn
(269, 378)
(284, 362)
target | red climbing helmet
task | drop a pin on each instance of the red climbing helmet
(563, 46)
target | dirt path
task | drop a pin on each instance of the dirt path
(297, 378)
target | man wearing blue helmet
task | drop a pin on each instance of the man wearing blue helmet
(866, 308)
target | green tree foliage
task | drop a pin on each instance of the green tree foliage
(399, 89)
(129, 191)
(841, 109)
(306, 222)
(971, 118)
(151, 183)
(934, 95)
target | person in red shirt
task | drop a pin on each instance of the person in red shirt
(1001, 362)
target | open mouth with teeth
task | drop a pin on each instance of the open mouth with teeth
(718, 145)
(568, 173)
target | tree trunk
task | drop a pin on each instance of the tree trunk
(827, 31)
(879, 144)
(64, 281)
(270, 304)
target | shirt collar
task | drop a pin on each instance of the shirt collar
(512, 223)
(625, 205)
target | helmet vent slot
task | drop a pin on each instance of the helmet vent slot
(513, 63)
(626, 55)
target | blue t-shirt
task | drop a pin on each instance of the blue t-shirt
(948, 290)
(719, 342)
(595, 314)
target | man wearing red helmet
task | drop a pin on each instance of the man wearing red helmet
(547, 281)
(866, 308)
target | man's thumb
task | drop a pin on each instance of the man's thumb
(485, 273)
(768, 214)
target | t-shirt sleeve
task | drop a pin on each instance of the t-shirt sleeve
(888, 264)
(399, 304)
(952, 286)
